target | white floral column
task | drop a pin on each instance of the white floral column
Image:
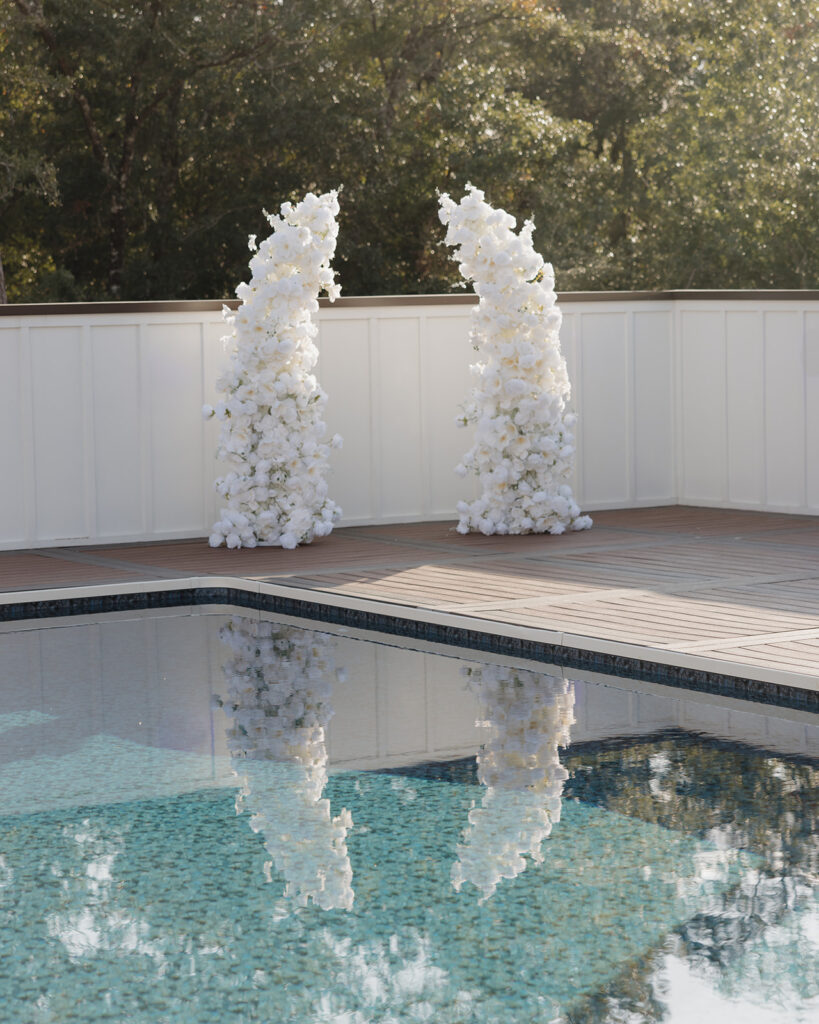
(523, 450)
(279, 701)
(273, 435)
(529, 715)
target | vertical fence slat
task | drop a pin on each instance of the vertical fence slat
(784, 409)
(60, 453)
(812, 407)
(16, 492)
(702, 345)
(745, 395)
(653, 407)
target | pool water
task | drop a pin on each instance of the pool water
(216, 818)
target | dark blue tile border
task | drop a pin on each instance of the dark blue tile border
(696, 680)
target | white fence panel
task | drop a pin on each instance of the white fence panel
(745, 383)
(784, 409)
(652, 408)
(748, 416)
(446, 356)
(395, 380)
(60, 412)
(116, 410)
(174, 379)
(16, 458)
(603, 381)
(711, 401)
(346, 362)
(812, 408)
(397, 416)
(704, 439)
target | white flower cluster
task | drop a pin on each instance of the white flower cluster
(530, 715)
(272, 438)
(523, 449)
(279, 701)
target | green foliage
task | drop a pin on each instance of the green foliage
(733, 185)
(657, 143)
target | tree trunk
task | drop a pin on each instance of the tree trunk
(117, 221)
(621, 223)
(116, 244)
(3, 296)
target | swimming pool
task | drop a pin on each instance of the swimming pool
(219, 817)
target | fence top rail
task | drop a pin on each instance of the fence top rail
(375, 301)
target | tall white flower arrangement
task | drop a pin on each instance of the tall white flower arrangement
(279, 702)
(523, 448)
(272, 437)
(529, 715)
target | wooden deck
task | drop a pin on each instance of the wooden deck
(738, 587)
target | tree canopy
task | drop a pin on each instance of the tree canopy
(657, 143)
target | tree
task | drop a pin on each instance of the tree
(731, 170)
(25, 170)
(656, 143)
(411, 98)
(611, 65)
(122, 71)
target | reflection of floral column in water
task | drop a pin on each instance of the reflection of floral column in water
(529, 715)
(279, 694)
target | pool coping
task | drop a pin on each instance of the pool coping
(612, 658)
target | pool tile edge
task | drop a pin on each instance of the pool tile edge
(570, 651)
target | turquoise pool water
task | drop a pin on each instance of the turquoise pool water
(206, 818)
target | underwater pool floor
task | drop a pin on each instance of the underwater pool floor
(239, 817)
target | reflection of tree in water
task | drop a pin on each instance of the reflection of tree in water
(754, 939)
(279, 690)
(529, 715)
(397, 979)
(91, 917)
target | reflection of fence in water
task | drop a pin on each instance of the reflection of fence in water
(279, 702)
(528, 715)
